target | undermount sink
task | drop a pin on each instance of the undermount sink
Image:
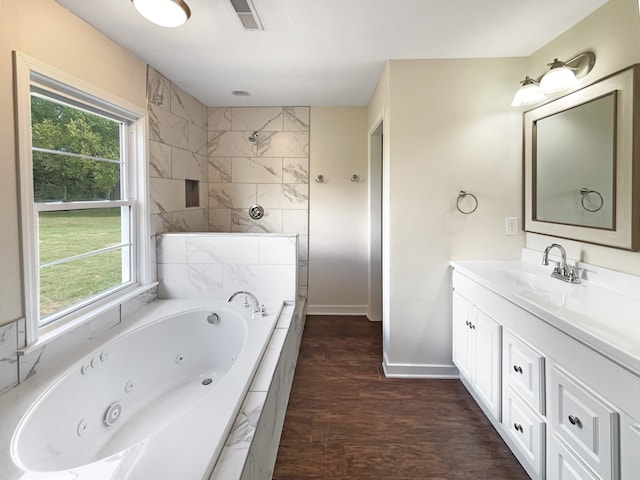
(540, 282)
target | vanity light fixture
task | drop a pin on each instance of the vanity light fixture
(165, 13)
(561, 76)
(558, 78)
(528, 94)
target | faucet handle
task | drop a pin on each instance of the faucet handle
(574, 275)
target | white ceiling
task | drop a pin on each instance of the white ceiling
(324, 52)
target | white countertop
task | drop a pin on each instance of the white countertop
(602, 312)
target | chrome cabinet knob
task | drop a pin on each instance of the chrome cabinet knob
(575, 421)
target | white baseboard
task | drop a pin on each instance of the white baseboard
(410, 370)
(336, 310)
(373, 318)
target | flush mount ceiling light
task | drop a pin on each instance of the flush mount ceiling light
(561, 76)
(166, 13)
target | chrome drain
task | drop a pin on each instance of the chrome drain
(112, 414)
(207, 381)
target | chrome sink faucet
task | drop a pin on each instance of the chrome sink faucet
(257, 308)
(561, 271)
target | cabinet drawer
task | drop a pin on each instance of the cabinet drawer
(526, 429)
(564, 465)
(629, 448)
(585, 422)
(523, 369)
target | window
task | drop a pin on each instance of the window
(82, 186)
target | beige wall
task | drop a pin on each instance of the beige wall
(47, 32)
(450, 128)
(613, 34)
(338, 213)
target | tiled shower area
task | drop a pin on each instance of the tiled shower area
(208, 165)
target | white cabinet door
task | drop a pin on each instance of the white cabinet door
(462, 338)
(476, 351)
(486, 364)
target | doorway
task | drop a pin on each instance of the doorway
(374, 307)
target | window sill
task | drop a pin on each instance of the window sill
(49, 333)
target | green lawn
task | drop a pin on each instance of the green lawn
(69, 233)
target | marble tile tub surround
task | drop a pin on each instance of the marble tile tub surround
(16, 368)
(261, 416)
(252, 446)
(272, 171)
(214, 265)
(177, 151)
(8, 356)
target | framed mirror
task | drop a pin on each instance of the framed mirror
(580, 162)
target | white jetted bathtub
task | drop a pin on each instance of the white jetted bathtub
(155, 403)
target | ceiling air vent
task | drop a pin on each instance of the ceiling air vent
(247, 15)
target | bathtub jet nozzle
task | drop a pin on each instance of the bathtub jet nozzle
(112, 414)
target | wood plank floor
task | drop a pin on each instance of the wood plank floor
(345, 420)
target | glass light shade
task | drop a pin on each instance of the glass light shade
(557, 79)
(166, 13)
(528, 94)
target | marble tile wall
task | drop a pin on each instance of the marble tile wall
(177, 151)
(8, 356)
(215, 265)
(272, 171)
(66, 348)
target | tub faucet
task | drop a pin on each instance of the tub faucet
(248, 295)
(561, 271)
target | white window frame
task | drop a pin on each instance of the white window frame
(30, 72)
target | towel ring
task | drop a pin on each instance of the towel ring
(584, 192)
(462, 194)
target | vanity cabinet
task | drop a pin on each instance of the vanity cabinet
(524, 401)
(564, 465)
(566, 410)
(629, 447)
(584, 422)
(523, 370)
(476, 352)
(527, 431)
